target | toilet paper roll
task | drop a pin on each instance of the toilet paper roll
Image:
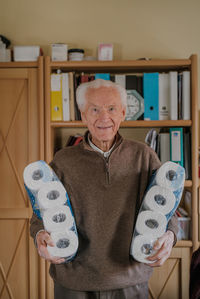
(160, 199)
(170, 175)
(151, 222)
(58, 219)
(66, 244)
(51, 194)
(142, 247)
(36, 174)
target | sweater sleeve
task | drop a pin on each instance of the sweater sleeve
(35, 225)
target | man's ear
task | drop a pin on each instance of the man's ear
(83, 117)
(123, 113)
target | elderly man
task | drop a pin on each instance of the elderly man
(106, 177)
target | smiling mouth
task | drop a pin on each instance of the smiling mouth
(104, 128)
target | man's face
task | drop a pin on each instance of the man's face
(103, 114)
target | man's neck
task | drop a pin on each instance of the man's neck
(105, 146)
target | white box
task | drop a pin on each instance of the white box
(59, 52)
(26, 53)
(105, 52)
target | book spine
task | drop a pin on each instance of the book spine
(186, 94)
(71, 96)
(56, 97)
(151, 97)
(65, 96)
(164, 142)
(180, 76)
(163, 96)
(173, 90)
(176, 145)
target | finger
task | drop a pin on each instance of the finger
(43, 238)
(164, 251)
(159, 242)
(57, 260)
(49, 240)
(43, 252)
(158, 262)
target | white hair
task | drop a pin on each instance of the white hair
(82, 89)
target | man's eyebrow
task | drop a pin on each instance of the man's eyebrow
(92, 104)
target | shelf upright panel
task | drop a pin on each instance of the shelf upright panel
(195, 180)
(48, 128)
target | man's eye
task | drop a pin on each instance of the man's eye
(111, 109)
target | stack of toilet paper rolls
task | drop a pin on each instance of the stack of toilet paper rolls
(159, 204)
(50, 202)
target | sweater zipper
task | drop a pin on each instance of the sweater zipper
(107, 172)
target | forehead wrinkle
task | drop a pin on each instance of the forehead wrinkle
(101, 92)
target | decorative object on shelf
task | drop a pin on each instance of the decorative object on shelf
(105, 52)
(135, 105)
(59, 52)
(2, 51)
(26, 53)
(76, 54)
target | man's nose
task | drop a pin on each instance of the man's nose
(104, 114)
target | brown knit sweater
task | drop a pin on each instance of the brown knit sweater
(105, 196)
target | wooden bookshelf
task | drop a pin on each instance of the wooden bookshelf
(183, 249)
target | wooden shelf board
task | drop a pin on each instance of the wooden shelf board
(120, 65)
(130, 124)
(184, 243)
(188, 183)
(14, 64)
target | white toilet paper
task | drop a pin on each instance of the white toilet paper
(58, 219)
(51, 194)
(159, 199)
(36, 174)
(170, 175)
(66, 244)
(51, 204)
(159, 204)
(142, 247)
(151, 222)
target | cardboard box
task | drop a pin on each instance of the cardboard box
(26, 53)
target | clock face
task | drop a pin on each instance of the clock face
(135, 105)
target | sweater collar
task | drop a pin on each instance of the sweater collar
(97, 149)
(86, 145)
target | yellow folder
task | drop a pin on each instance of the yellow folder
(56, 97)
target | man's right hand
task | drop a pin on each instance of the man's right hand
(43, 239)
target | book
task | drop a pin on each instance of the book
(180, 78)
(103, 76)
(74, 140)
(71, 96)
(186, 95)
(176, 145)
(56, 97)
(187, 154)
(77, 82)
(173, 95)
(151, 96)
(164, 146)
(65, 97)
(164, 100)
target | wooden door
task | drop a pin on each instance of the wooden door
(19, 145)
(172, 279)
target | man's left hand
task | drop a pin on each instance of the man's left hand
(163, 247)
